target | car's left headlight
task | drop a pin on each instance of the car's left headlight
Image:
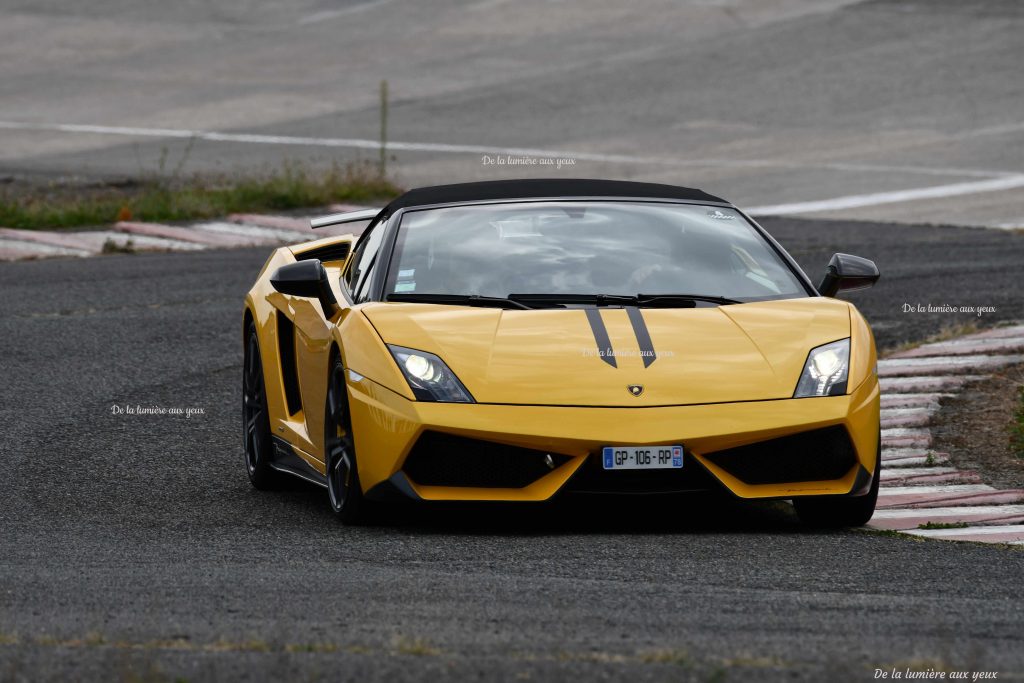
(826, 371)
(428, 376)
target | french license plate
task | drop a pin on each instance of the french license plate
(642, 457)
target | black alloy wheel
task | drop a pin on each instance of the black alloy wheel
(343, 488)
(255, 417)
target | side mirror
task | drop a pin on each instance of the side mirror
(847, 272)
(306, 279)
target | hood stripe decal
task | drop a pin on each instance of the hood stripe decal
(604, 342)
(643, 336)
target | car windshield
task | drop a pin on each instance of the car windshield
(585, 248)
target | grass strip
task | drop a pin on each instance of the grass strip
(196, 197)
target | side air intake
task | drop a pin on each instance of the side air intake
(289, 371)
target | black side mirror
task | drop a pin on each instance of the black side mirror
(306, 279)
(847, 272)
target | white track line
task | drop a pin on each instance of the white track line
(40, 249)
(921, 471)
(327, 15)
(244, 230)
(905, 431)
(939, 513)
(861, 200)
(1012, 530)
(362, 143)
(888, 413)
(993, 181)
(938, 488)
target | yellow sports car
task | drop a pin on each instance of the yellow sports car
(514, 340)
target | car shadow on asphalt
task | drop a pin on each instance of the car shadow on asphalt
(692, 513)
(572, 514)
(593, 514)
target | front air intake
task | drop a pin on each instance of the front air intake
(818, 455)
(440, 459)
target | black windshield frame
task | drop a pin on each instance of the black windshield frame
(383, 275)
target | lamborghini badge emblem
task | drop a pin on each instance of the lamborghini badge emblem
(636, 389)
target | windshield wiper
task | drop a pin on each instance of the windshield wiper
(557, 300)
(458, 300)
(640, 300)
(672, 300)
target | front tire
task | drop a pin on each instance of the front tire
(255, 417)
(834, 512)
(343, 488)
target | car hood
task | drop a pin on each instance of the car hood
(740, 352)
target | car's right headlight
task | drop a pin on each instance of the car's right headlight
(428, 376)
(826, 370)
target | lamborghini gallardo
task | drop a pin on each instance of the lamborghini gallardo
(520, 340)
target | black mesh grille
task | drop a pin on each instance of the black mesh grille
(445, 460)
(817, 455)
(332, 252)
(593, 478)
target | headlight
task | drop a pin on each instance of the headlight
(428, 377)
(826, 371)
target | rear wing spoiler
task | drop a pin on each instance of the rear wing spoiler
(347, 217)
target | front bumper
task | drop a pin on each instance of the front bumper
(388, 427)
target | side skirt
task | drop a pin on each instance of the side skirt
(286, 460)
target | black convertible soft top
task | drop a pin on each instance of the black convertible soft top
(543, 188)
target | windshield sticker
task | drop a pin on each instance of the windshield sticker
(516, 227)
(407, 273)
(719, 216)
(405, 287)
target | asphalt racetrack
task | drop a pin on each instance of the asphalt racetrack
(134, 548)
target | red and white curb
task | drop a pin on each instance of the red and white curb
(237, 230)
(921, 493)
